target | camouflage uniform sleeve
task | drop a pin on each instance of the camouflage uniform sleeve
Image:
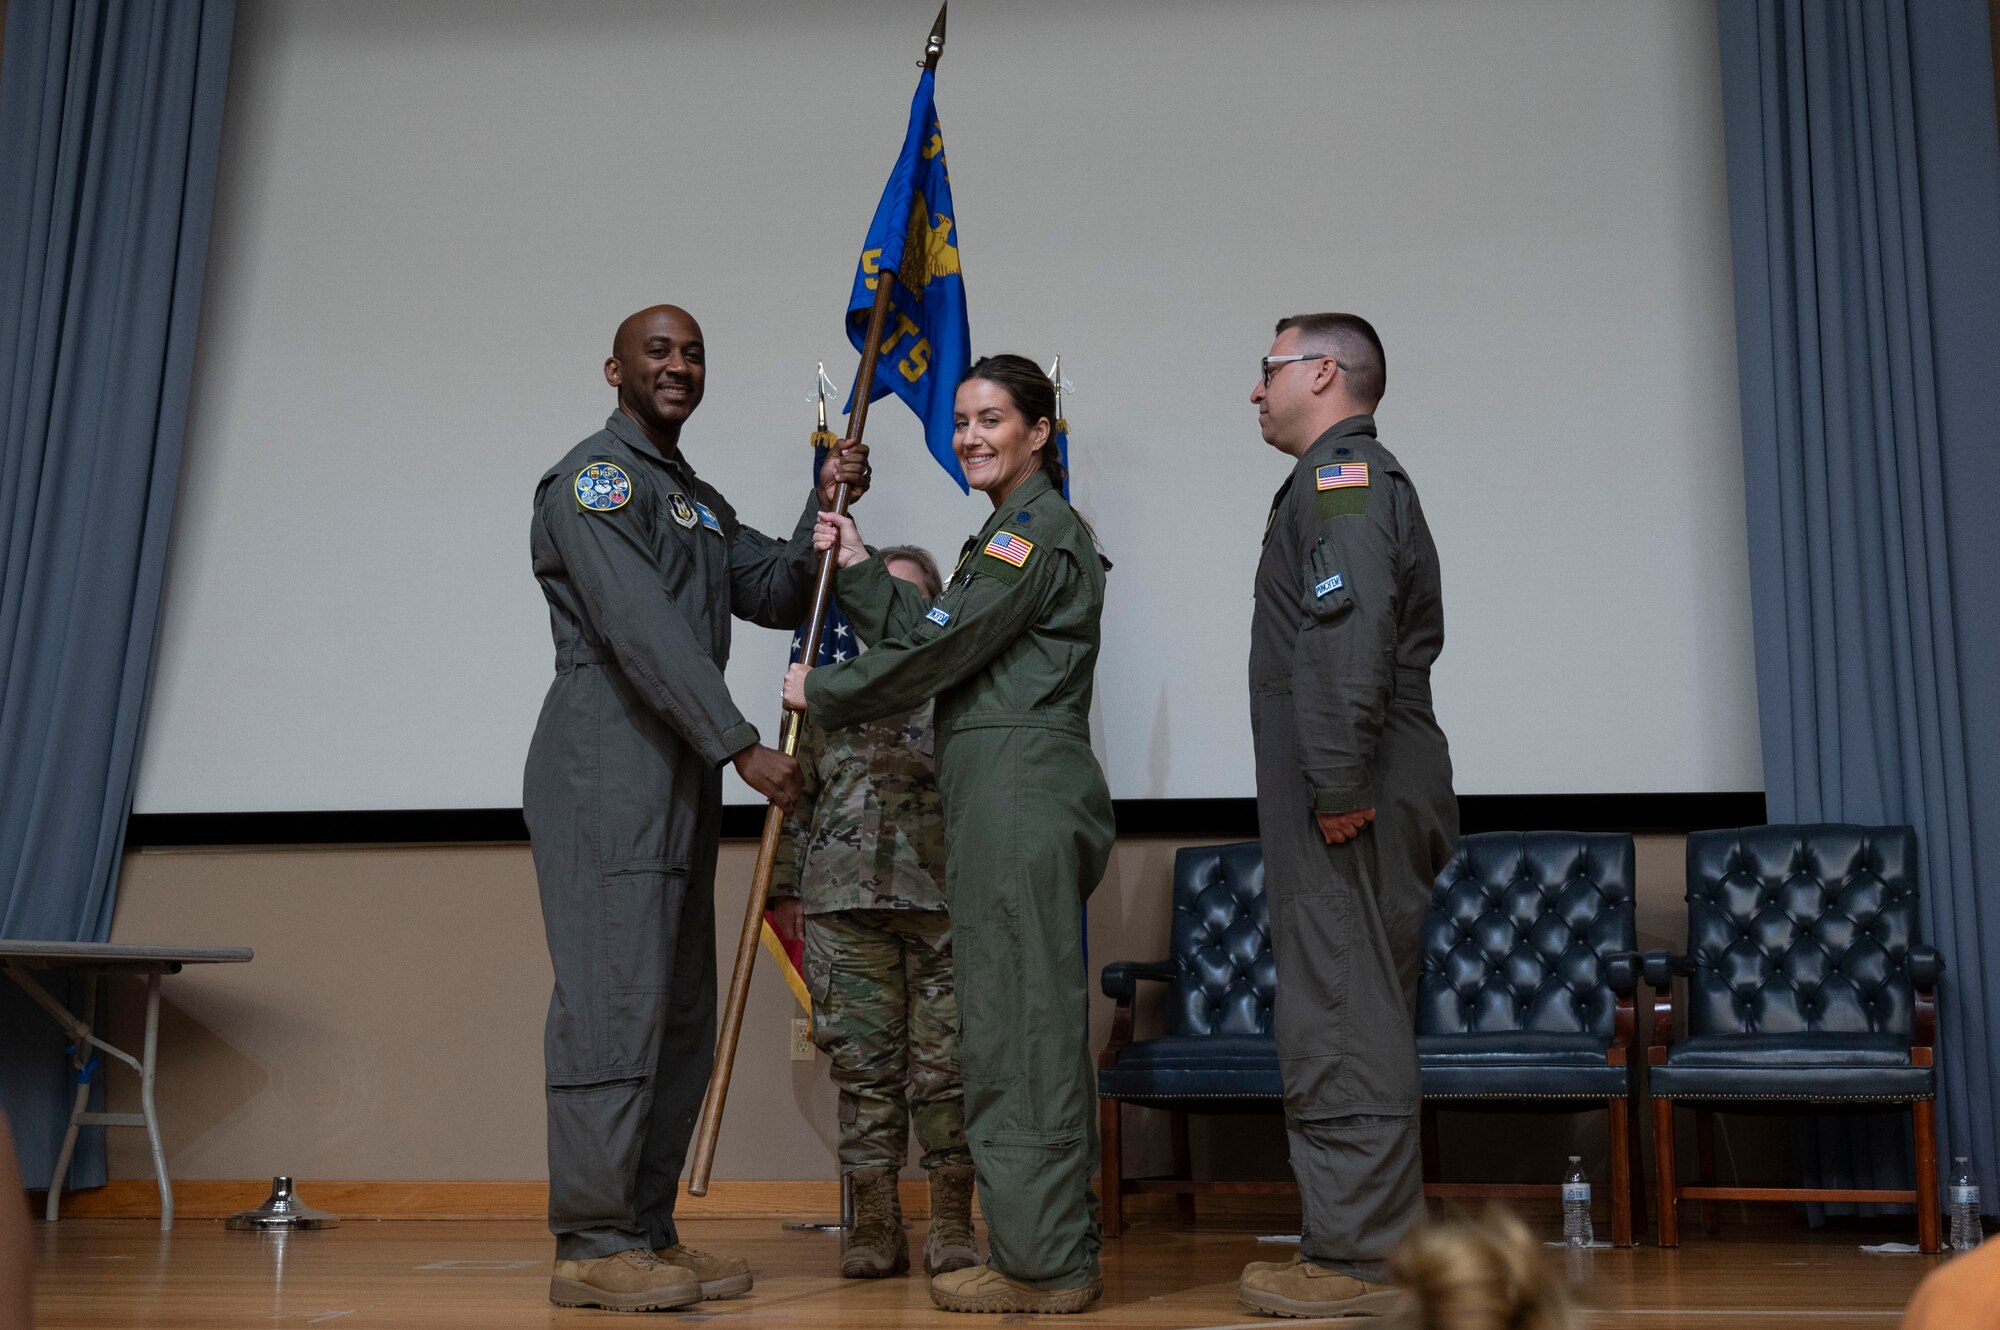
(975, 619)
(788, 868)
(610, 558)
(1343, 670)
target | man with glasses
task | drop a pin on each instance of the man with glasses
(1349, 617)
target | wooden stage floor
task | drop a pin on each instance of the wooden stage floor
(123, 1274)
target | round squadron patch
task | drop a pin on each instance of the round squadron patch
(602, 487)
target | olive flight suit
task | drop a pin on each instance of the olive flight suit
(1009, 650)
(1349, 617)
(642, 564)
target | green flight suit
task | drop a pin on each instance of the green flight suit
(642, 563)
(1009, 651)
(1349, 617)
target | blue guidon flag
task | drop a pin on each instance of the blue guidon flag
(926, 347)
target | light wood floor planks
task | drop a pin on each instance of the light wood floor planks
(110, 1274)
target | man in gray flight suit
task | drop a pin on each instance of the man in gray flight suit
(642, 564)
(1355, 806)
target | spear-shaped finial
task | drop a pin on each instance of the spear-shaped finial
(823, 387)
(1062, 384)
(935, 46)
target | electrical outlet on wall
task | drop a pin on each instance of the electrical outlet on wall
(802, 1043)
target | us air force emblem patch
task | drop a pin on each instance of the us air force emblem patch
(939, 615)
(683, 510)
(708, 518)
(602, 487)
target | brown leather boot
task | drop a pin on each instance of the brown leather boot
(1303, 1289)
(984, 1289)
(875, 1247)
(720, 1276)
(950, 1244)
(629, 1281)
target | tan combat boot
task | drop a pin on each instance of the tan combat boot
(629, 1281)
(875, 1247)
(1303, 1289)
(720, 1276)
(984, 1289)
(950, 1244)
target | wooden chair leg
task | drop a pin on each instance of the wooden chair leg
(1183, 1163)
(1637, 1164)
(1111, 1175)
(1427, 1132)
(1620, 1130)
(1663, 1164)
(1704, 1145)
(1924, 1119)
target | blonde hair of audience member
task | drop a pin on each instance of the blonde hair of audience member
(1483, 1274)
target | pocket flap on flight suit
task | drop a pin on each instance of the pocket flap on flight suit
(1328, 595)
(639, 914)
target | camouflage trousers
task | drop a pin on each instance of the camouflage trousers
(885, 1012)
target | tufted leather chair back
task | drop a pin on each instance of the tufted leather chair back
(1801, 928)
(1520, 929)
(1221, 942)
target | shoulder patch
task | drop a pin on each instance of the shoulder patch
(1010, 548)
(1350, 502)
(683, 511)
(603, 487)
(1341, 475)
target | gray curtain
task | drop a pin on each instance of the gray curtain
(1864, 201)
(110, 122)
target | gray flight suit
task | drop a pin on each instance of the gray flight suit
(1349, 616)
(623, 796)
(1009, 650)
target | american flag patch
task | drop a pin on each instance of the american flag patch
(1010, 548)
(1340, 475)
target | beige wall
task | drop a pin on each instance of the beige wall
(390, 1027)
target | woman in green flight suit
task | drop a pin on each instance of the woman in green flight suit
(1009, 651)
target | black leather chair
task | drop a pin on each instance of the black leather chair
(1217, 1055)
(1525, 996)
(1805, 986)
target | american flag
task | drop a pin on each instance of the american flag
(1342, 474)
(1010, 547)
(836, 639)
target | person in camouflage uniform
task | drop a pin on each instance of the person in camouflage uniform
(860, 873)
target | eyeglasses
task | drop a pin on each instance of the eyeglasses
(1269, 361)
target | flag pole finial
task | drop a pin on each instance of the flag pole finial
(934, 48)
(823, 387)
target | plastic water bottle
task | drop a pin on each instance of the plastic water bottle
(1965, 1231)
(1576, 1206)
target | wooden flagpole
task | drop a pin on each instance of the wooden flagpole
(708, 1128)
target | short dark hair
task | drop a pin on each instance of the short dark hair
(927, 569)
(1352, 341)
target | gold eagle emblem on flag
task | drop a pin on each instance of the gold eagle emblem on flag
(927, 251)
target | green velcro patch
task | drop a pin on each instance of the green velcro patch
(1342, 502)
